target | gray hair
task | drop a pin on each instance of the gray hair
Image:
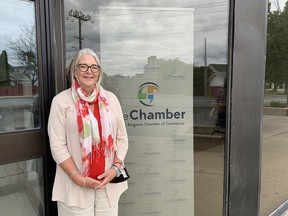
(74, 62)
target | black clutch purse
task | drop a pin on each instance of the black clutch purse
(122, 177)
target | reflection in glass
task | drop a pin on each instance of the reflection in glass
(154, 87)
(19, 100)
(274, 190)
(21, 188)
(184, 61)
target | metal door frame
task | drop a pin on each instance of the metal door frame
(247, 51)
(52, 49)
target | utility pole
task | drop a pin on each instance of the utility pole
(81, 18)
(205, 68)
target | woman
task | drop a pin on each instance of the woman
(88, 141)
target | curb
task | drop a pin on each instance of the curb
(281, 210)
(275, 111)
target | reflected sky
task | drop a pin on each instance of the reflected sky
(274, 3)
(210, 25)
(128, 35)
(13, 14)
(210, 22)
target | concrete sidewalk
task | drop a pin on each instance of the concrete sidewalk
(274, 177)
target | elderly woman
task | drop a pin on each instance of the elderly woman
(88, 141)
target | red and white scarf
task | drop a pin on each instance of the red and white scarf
(88, 125)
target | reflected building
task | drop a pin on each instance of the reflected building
(217, 75)
(174, 73)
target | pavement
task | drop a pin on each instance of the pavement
(208, 165)
(274, 176)
(274, 170)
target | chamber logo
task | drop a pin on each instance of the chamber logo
(146, 93)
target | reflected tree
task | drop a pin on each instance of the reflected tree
(4, 69)
(25, 50)
(198, 80)
(277, 46)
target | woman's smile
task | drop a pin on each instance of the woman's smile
(85, 76)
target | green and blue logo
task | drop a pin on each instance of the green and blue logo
(147, 92)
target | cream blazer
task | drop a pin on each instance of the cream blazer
(64, 143)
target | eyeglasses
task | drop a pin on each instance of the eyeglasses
(85, 67)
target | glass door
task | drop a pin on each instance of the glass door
(274, 191)
(21, 133)
(166, 61)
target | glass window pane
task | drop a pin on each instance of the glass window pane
(168, 67)
(21, 188)
(19, 106)
(274, 190)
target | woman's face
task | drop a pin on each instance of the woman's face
(87, 77)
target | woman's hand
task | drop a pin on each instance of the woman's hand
(91, 183)
(86, 182)
(106, 177)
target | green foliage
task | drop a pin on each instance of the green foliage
(277, 46)
(4, 69)
(278, 104)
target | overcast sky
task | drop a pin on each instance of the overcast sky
(122, 34)
(210, 22)
(13, 15)
(129, 35)
(274, 2)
